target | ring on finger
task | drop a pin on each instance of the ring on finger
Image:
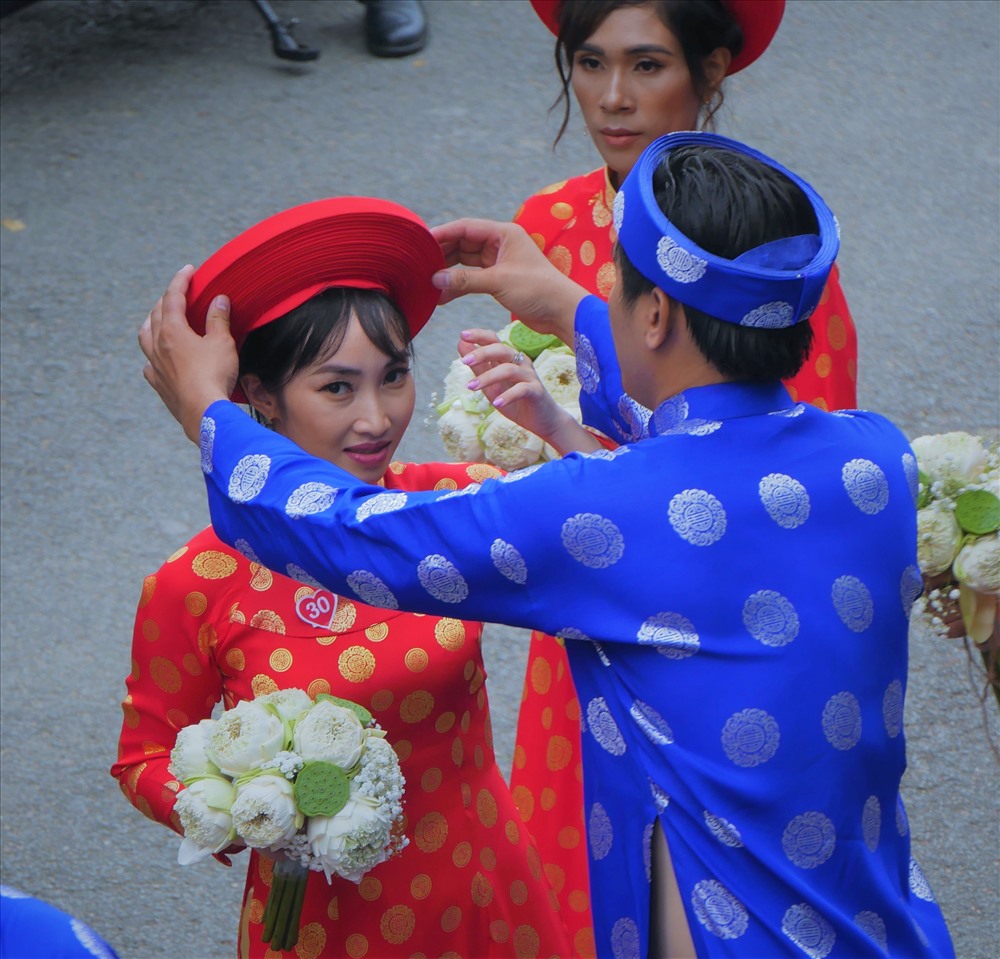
(517, 357)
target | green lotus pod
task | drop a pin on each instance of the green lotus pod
(978, 511)
(363, 714)
(529, 342)
(321, 789)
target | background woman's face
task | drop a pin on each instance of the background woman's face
(350, 407)
(633, 85)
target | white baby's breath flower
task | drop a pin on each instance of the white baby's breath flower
(264, 811)
(459, 432)
(245, 735)
(290, 704)
(188, 758)
(951, 457)
(938, 538)
(507, 445)
(977, 565)
(203, 809)
(556, 368)
(331, 733)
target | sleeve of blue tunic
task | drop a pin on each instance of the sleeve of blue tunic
(33, 929)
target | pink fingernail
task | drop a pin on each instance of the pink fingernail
(473, 384)
(469, 359)
(498, 402)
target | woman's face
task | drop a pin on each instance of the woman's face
(350, 408)
(633, 85)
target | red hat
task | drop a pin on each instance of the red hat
(349, 241)
(758, 19)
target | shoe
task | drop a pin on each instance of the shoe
(395, 28)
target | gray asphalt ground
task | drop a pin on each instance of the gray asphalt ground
(140, 136)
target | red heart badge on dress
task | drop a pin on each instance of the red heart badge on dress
(318, 609)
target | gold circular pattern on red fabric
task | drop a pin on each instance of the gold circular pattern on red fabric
(534, 863)
(356, 945)
(207, 638)
(478, 757)
(573, 709)
(512, 831)
(268, 619)
(235, 658)
(263, 684)
(165, 674)
(416, 660)
(191, 664)
(547, 717)
(420, 886)
(486, 808)
(547, 799)
(133, 776)
(345, 616)
(836, 331)
(396, 467)
(587, 253)
(377, 632)
(561, 211)
(150, 631)
(558, 753)
(325, 640)
(478, 679)
(824, 365)
(431, 832)
(451, 919)
(333, 909)
(446, 483)
(601, 214)
(175, 556)
(852, 369)
(488, 858)
(457, 751)
(520, 756)
(134, 671)
(131, 714)
(356, 664)
(256, 911)
(148, 588)
(539, 241)
(382, 699)
(280, 660)
(552, 188)
(449, 633)
(462, 855)
(370, 888)
(478, 472)
(195, 603)
(541, 675)
(431, 779)
(561, 259)
(466, 795)
(149, 747)
(556, 876)
(397, 924)
(825, 295)
(584, 945)
(569, 837)
(499, 931)
(519, 892)
(470, 670)
(526, 942)
(578, 900)
(466, 719)
(444, 722)
(142, 804)
(482, 890)
(403, 748)
(416, 706)
(312, 941)
(606, 277)
(211, 564)
(265, 869)
(821, 404)
(262, 577)
(177, 718)
(316, 687)
(525, 802)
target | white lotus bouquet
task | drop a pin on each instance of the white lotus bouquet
(472, 431)
(314, 780)
(958, 543)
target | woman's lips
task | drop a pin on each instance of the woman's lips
(367, 454)
(619, 136)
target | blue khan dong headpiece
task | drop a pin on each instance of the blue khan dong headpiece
(772, 286)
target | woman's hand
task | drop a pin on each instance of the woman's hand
(509, 381)
(512, 269)
(190, 372)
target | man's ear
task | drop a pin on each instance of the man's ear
(261, 399)
(661, 319)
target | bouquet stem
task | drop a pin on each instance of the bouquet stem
(284, 904)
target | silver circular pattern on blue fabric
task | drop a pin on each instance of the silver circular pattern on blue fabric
(792, 411)
(381, 503)
(514, 475)
(509, 562)
(677, 263)
(911, 585)
(873, 926)
(661, 798)
(871, 822)
(309, 499)
(892, 708)
(600, 832)
(206, 444)
(296, 572)
(866, 485)
(723, 830)
(655, 727)
(647, 850)
(469, 490)
(751, 737)
(697, 517)
(601, 655)
(809, 840)
(603, 727)
(674, 636)
(693, 427)
(808, 930)
(618, 210)
(718, 910)
(770, 316)
(588, 370)
(245, 549)
(902, 822)
(441, 578)
(853, 603)
(918, 882)
(912, 473)
(785, 500)
(842, 720)
(593, 540)
(371, 590)
(625, 939)
(633, 419)
(770, 618)
(89, 939)
(248, 477)
(670, 414)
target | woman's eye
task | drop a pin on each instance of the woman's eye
(647, 66)
(397, 376)
(337, 387)
(588, 63)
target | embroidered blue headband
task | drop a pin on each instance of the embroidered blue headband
(772, 286)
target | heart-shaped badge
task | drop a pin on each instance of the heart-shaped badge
(317, 609)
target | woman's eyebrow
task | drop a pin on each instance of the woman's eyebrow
(631, 51)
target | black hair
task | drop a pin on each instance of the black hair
(729, 203)
(278, 350)
(700, 26)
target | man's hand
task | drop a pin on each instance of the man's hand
(512, 269)
(190, 372)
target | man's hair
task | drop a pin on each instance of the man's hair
(729, 203)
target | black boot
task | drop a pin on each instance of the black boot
(395, 28)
